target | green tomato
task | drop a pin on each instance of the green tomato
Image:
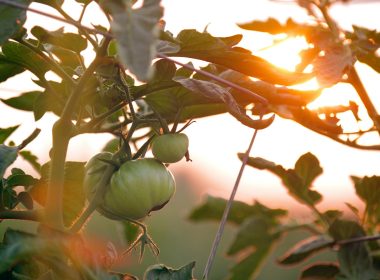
(171, 147)
(95, 168)
(137, 188)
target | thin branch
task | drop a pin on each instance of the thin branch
(223, 221)
(29, 139)
(357, 240)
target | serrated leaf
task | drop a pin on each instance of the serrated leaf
(23, 102)
(249, 267)
(304, 249)
(136, 32)
(308, 168)
(320, 271)
(162, 272)
(218, 93)
(8, 69)
(213, 207)
(254, 232)
(31, 158)
(330, 67)
(25, 57)
(11, 20)
(73, 196)
(7, 156)
(6, 132)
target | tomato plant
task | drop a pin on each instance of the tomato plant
(133, 82)
(170, 148)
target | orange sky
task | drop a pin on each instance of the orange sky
(215, 141)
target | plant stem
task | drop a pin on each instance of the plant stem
(62, 132)
(223, 221)
(29, 139)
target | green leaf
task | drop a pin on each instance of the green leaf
(304, 249)
(213, 208)
(66, 40)
(292, 181)
(249, 267)
(7, 156)
(73, 196)
(162, 272)
(31, 158)
(21, 55)
(8, 69)
(6, 132)
(308, 168)
(136, 32)
(23, 102)
(254, 232)
(320, 271)
(20, 180)
(112, 146)
(26, 200)
(218, 93)
(368, 189)
(355, 261)
(11, 20)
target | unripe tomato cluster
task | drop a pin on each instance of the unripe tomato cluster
(139, 186)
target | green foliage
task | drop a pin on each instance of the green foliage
(162, 272)
(73, 197)
(6, 132)
(23, 102)
(136, 32)
(12, 20)
(320, 271)
(7, 156)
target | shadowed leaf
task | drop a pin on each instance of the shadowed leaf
(23, 102)
(320, 271)
(6, 132)
(162, 272)
(11, 20)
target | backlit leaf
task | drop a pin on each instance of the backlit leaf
(305, 249)
(31, 158)
(136, 32)
(6, 132)
(308, 168)
(8, 69)
(23, 102)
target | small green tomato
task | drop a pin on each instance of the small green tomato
(171, 147)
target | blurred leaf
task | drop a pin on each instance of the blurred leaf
(131, 232)
(274, 27)
(249, 266)
(355, 261)
(136, 32)
(213, 208)
(8, 69)
(10, 199)
(11, 20)
(7, 156)
(70, 41)
(23, 102)
(165, 47)
(308, 168)
(26, 200)
(292, 181)
(162, 272)
(218, 93)
(371, 59)
(25, 57)
(73, 197)
(305, 249)
(353, 209)
(254, 232)
(330, 67)
(20, 180)
(31, 158)
(320, 271)
(368, 189)
(218, 50)
(53, 3)
(6, 132)
(332, 215)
